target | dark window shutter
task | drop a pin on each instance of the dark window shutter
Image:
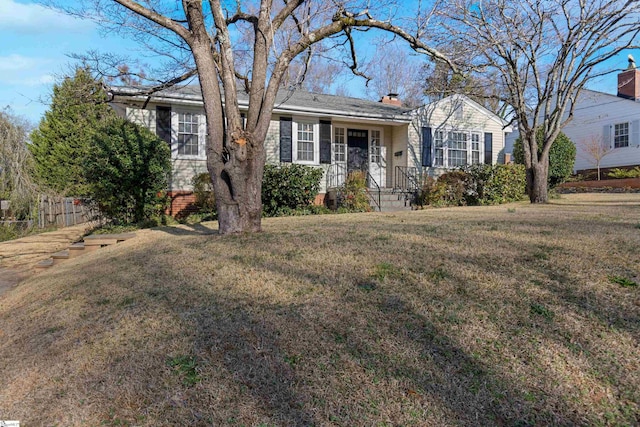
(286, 140)
(163, 123)
(606, 137)
(427, 143)
(243, 117)
(488, 148)
(325, 141)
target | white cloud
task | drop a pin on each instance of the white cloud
(33, 18)
(14, 62)
(23, 70)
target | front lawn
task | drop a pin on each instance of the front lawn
(504, 315)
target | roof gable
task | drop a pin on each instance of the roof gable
(466, 101)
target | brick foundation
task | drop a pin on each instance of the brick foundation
(631, 183)
(182, 203)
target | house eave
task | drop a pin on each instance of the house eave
(124, 94)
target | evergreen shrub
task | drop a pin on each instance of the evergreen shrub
(288, 188)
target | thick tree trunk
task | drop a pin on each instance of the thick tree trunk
(242, 212)
(537, 182)
(237, 181)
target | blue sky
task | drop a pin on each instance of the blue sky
(34, 46)
(35, 43)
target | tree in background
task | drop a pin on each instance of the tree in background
(127, 171)
(543, 53)
(594, 150)
(439, 81)
(562, 156)
(16, 165)
(393, 70)
(61, 142)
(203, 37)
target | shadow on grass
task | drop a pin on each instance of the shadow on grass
(190, 230)
(342, 340)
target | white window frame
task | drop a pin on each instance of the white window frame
(479, 150)
(439, 143)
(621, 135)
(202, 134)
(375, 152)
(316, 140)
(442, 140)
(339, 148)
(464, 140)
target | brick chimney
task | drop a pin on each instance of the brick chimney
(391, 99)
(629, 82)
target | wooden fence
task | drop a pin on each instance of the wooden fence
(65, 211)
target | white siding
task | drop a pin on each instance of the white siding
(184, 169)
(595, 111)
(445, 115)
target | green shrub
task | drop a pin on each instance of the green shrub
(507, 183)
(289, 187)
(562, 156)
(203, 191)
(354, 195)
(127, 170)
(475, 185)
(8, 232)
(624, 173)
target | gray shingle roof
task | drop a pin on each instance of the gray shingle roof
(289, 101)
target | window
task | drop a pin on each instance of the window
(188, 134)
(305, 142)
(339, 146)
(438, 143)
(376, 141)
(457, 149)
(475, 148)
(621, 135)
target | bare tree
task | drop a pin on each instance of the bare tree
(319, 74)
(439, 82)
(15, 163)
(203, 35)
(393, 70)
(543, 53)
(594, 150)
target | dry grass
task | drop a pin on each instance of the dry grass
(468, 316)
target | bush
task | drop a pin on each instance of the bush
(624, 173)
(562, 156)
(456, 186)
(353, 196)
(203, 191)
(288, 188)
(507, 183)
(127, 171)
(431, 193)
(476, 185)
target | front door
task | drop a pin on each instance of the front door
(357, 150)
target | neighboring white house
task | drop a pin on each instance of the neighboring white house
(338, 134)
(611, 121)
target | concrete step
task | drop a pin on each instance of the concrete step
(45, 263)
(107, 239)
(76, 249)
(58, 257)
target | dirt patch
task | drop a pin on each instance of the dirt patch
(10, 278)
